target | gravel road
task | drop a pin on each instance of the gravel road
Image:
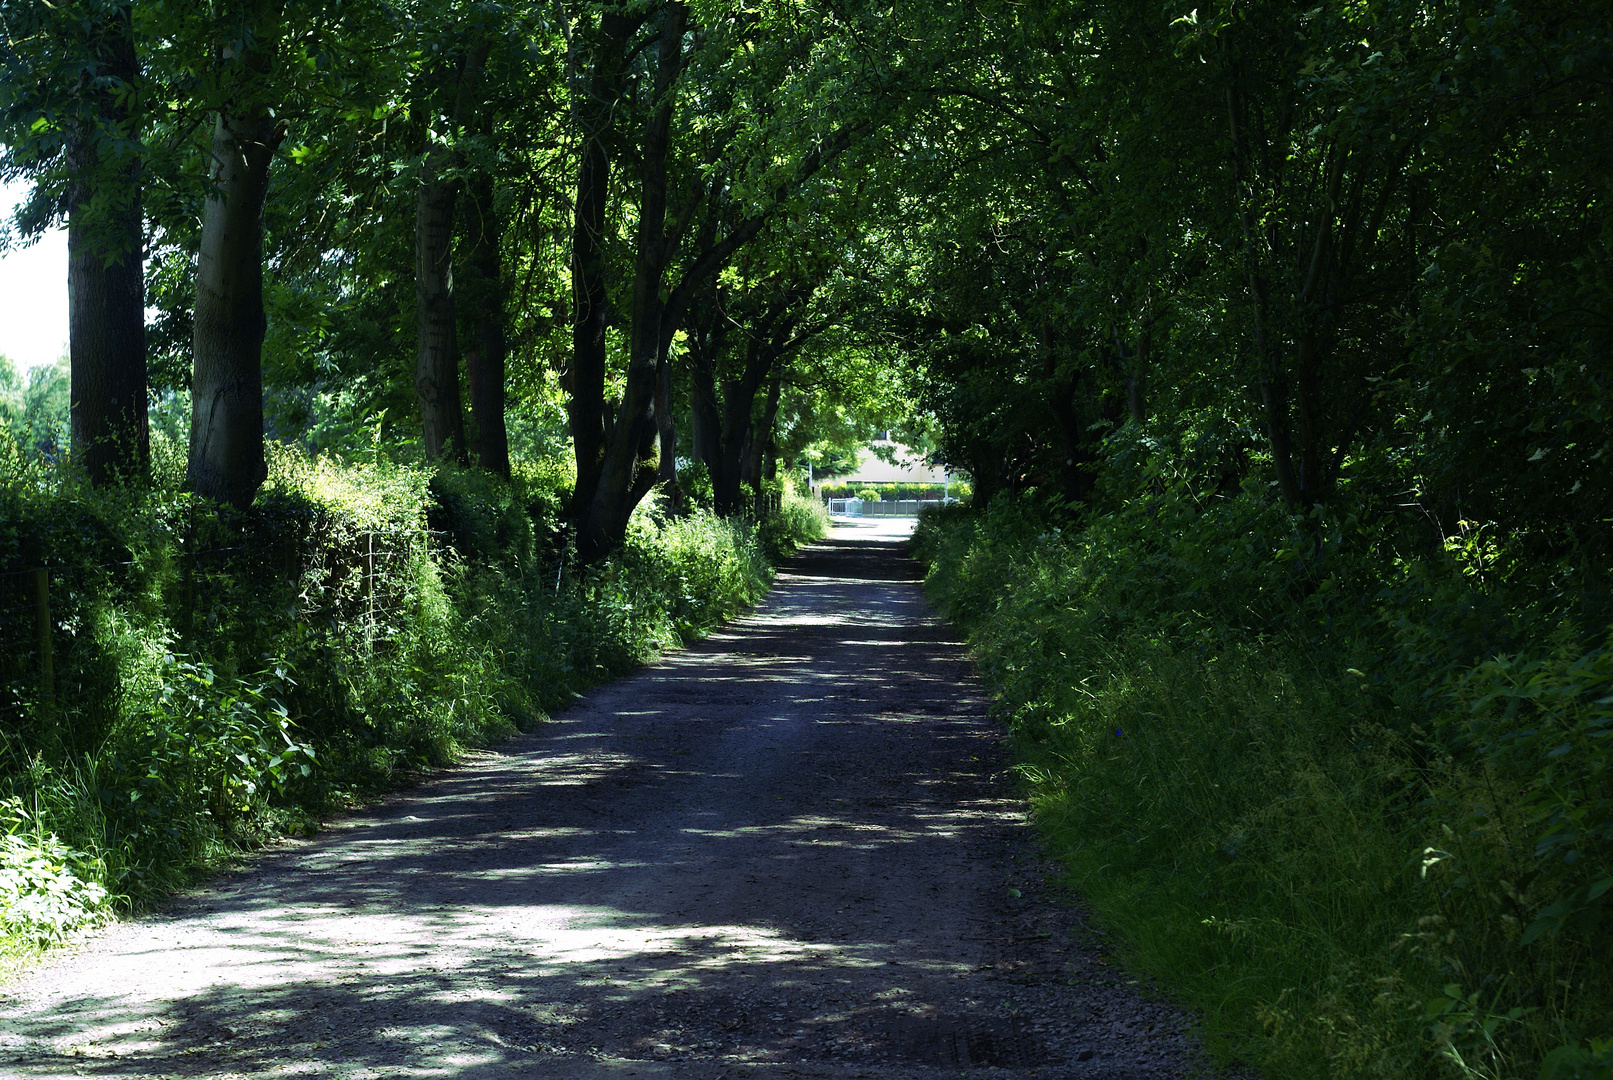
(789, 850)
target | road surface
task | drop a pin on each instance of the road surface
(790, 850)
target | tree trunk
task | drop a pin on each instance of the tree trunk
(594, 111)
(106, 284)
(1137, 380)
(666, 430)
(629, 468)
(226, 431)
(656, 244)
(761, 439)
(485, 360)
(615, 467)
(738, 407)
(1069, 443)
(707, 332)
(436, 379)
(585, 402)
(704, 426)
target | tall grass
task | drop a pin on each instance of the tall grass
(1344, 887)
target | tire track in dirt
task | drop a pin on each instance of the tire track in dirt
(787, 850)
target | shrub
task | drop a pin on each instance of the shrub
(1359, 845)
(893, 492)
(796, 521)
(224, 675)
(47, 890)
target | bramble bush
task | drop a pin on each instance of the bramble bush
(1356, 808)
(224, 676)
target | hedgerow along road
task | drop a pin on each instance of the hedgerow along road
(792, 849)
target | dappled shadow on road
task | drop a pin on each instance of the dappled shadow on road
(855, 558)
(784, 845)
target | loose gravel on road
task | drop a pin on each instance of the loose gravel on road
(792, 849)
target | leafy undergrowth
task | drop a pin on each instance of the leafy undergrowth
(219, 678)
(1357, 859)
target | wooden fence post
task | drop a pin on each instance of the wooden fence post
(369, 592)
(187, 591)
(47, 666)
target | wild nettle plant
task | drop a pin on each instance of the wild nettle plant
(47, 889)
(209, 753)
(1520, 873)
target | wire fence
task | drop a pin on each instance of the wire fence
(359, 584)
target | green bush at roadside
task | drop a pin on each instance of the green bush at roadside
(797, 519)
(219, 677)
(1360, 843)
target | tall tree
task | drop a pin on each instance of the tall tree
(71, 113)
(485, 358)
(437, 355)
(737, 175)
(627, 469)
(226, 434)
(594, 98)
(105, 269)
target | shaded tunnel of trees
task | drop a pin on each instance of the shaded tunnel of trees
(1340, 274)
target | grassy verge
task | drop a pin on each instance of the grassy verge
(216, 679)
(1351, 873)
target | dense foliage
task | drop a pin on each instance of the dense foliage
(218, 676)
(1303, 804)
(414, 289)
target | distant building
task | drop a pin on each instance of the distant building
(908, 468)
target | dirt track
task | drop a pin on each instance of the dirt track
(789, 850)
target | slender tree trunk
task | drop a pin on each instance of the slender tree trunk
(761, 439)
(738, 402)
(704, 426)
(226, 432)
(665, 418)
(485, 360)
(436, 378)
(706, 335)
(1273, 386)
(594, 110)
(1137, 379)
(738, 407)
(106, 285)
(655, 246)
(590, 310)
(1074, 476)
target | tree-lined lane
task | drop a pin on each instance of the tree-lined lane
(786, 849)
